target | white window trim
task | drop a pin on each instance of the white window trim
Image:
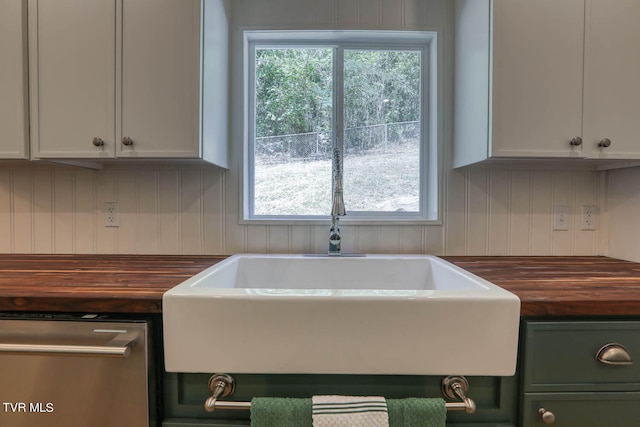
(430, 162)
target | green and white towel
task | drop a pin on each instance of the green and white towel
(349, 411)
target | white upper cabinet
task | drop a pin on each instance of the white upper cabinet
(612, 79)
(121, 79)
(537, 77)
(13, 81)
(72, 78)
(518, 78)
(160, 79)
(534, 79)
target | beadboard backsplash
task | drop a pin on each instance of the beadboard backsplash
(623, 201)
(193, 210)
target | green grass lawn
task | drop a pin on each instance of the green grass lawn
(376, 181)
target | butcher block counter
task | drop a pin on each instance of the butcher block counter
(546, 286)
(93, 283)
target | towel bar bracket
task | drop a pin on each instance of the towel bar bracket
(456, 387)
(220, 385)
(223, 385)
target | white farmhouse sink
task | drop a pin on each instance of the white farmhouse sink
(378, 314)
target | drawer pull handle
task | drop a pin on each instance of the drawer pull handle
(547, 417)
(614, 354)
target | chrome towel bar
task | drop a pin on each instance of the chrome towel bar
(223, 385)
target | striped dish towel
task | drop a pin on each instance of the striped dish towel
(349, 411)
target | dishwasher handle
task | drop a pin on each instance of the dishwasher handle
(115, 348)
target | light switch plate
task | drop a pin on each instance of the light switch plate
(561, 218)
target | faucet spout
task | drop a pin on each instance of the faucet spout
(338, 201)
(337, 208)
(334, 236)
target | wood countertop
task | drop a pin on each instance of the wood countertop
(563, 286)
(93, 283)
(546, 286)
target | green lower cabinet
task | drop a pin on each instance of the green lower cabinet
(579, 373)
(185, 394)
(187, 423)
(582, 409)
(202, 423)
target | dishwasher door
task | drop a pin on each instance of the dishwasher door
(62, 373)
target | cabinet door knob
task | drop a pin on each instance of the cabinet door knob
(127, 141)
(98, 142)
(575, 141)
(614, 354)
(604, 143)
(547, 417)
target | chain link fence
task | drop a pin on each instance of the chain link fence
(317, 146)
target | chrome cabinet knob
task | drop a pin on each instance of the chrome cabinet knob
(98, 142)
(127, 141)
(604, 143)
(547, 417)
(576, 141)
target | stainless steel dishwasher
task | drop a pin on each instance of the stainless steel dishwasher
(74, 371)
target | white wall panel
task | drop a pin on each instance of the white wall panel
(623, 211)
(562, 194)
(126, 186)
(455, 206)
(148, 231)
(369, 13)
(213, 208)
(187, 210)
(105, 191)
(6, 212)
(519, 213)
(22, 212)
(191, 214)
(477, 212)
(542, 207)
(169, 212)
(499, 219)
(63, 212)
(43, 197)
(85, 215)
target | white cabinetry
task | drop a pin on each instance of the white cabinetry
(13, 87)
(535, 80)
(72, 78)
(119, 79)
(160, 79)
(612, 78)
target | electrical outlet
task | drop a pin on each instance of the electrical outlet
(561, 218)
(111, 214)
(589, 214)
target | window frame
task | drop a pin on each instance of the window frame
(430, 124)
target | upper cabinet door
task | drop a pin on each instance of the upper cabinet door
(13, 93)
(160, 79)
(518, 79)
(612, 79)
(72, 78)
(537, 77)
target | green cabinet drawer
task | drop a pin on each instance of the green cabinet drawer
(583, 409)
(561, 356)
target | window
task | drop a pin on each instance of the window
(367, 93)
